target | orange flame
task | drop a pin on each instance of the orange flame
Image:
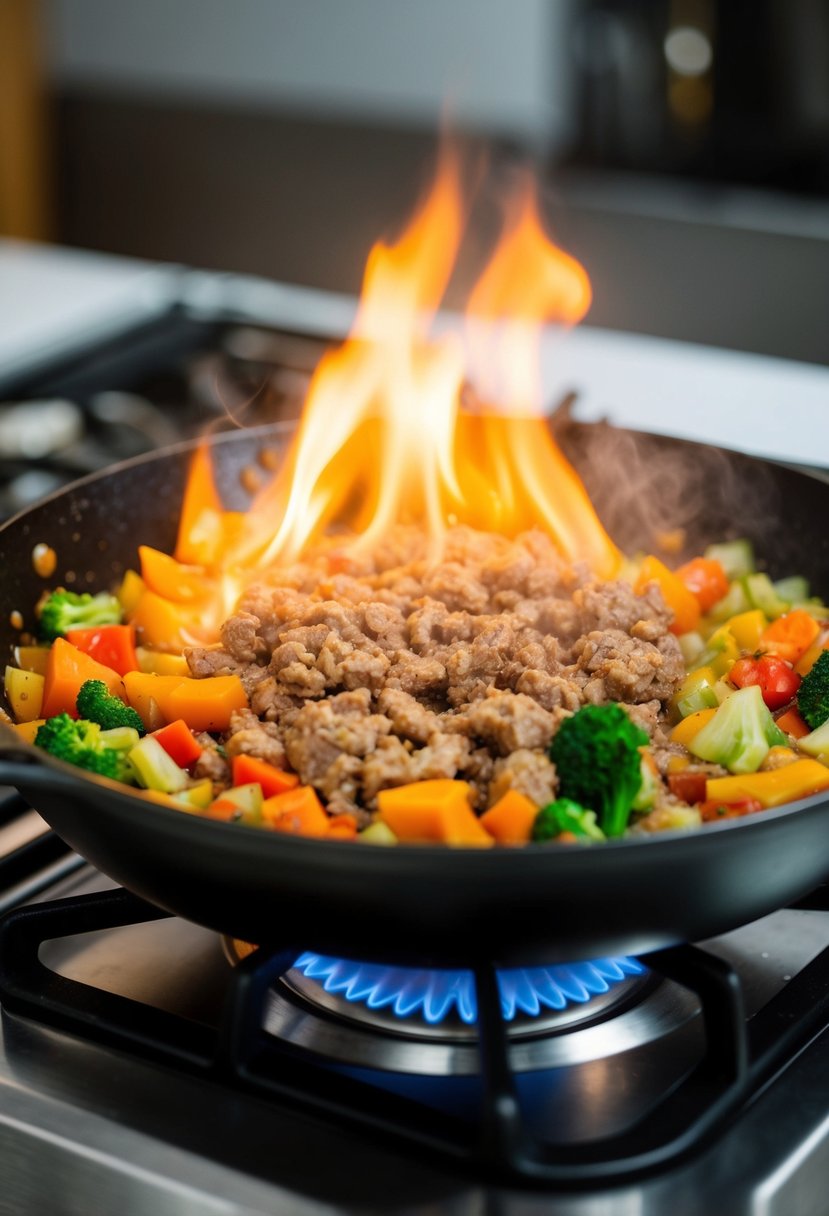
(383, 440)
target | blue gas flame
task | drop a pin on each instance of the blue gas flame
(437, 995)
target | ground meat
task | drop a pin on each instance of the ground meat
(530, 772)
(371, 670)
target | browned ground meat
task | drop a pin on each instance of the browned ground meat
(375, 671)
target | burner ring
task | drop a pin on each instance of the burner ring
(651, 1009)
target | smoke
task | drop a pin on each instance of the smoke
(668, 496)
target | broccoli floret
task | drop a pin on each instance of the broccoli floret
(96, 703)
(64, 610)
(596, 754)
(86, 746)
(564, 815)
(813, 694)
(740, 733)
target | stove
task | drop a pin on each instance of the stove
(148, 1065)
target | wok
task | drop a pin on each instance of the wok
(424, 904)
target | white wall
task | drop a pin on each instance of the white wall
(396, 60)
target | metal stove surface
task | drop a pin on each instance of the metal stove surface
(85, 1129)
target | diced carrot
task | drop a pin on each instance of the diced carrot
(203, 704)
(247, 769)
(682, 602)
(172, 579)
(67, 669)
(298, 812)
(178, 742)
(511, 819)
(705, 577)
(200, 526)
(432, 811)
(790, 636)
(342, 827)
(112, 645)
(793, 724)
(689, 786)
(207, 704)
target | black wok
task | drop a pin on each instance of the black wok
(430, 904)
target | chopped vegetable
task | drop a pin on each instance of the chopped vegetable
(807, 662)
(32, 658)
(86, 746)
(155, 769)
(129, 593)
(432, 811)
(168, 625)
(342, 827)
(712, 810)
(596, 754)
(682, 602)
(248, 799)
(298, 812)
(112, 645)
(510, 820)
(172, 579)
(747, 628)
(790, 636)
(817, 742)
(64, 610)
(206, 704)
(272, 779)
(705, 577)
(774, 787)
(813, 694)
(740, 733)
(688, 786)
(24, 690)
(377, 833)
(67, 669)
(721, 652)
(650, 786)
(761, 594)
(792, 723)
(161, 664)
(777, 680)
(736, 557)
(95, 703)
(697, 691)
(178, 742)
(566, 818)
(28, 730)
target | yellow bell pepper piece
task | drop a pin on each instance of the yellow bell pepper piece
(747, 627)
(771, 788)
(28, 730)
(687, 730)
(24, 690)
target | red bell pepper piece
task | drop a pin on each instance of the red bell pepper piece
(112, 645)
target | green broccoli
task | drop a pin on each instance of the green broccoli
(813, 694)
(596, 754)
(63, 610)
(86, 746)
(96, 703)
(740, 733)
(564, 815)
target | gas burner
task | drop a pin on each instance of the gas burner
(349, 1013)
